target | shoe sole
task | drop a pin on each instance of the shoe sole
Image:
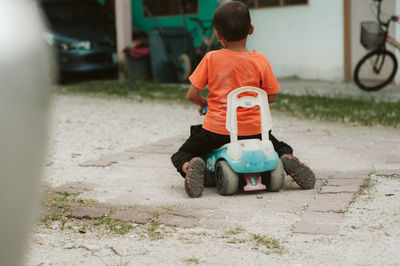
(300, 173)
(194, 180)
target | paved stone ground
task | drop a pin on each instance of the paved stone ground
(317, 211)
(139, 184)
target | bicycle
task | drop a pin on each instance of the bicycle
(377, 68)
(208, 39)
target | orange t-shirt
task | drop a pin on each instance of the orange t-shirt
(224, 71)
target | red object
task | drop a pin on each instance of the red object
(255, 185)
(139, 52)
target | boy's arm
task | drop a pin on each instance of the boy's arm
(195, 97)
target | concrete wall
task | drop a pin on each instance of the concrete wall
(304, 41)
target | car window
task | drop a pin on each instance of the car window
(72, 14)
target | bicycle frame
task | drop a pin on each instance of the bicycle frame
(377, 66)
(385, 27)
(207, 35)
(392, 41)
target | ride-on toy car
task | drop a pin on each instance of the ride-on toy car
(253, 160)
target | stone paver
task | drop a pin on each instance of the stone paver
(322, 217)
(213, 224)
(104, 162)
(190, 212)
(387, 172)
(132, 215)
(88, 212)
(331, 202)
(178, 221)
(313, 228)
(73, 188)
(345, 182)
(164, 146)
(321, 209)
(339, 189)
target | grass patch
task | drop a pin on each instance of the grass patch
(368, 187)
(191, 261)
(48, 219)
(106, 223)
(110, 224)
(235, 231)
(269, 244)
(148, 90)
(237, 241)
(111, 87)
(152, 230)
(65, 202)
(359, 111)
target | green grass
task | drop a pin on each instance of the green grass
(176, 92)
(270, 245)
(235, 231)
(358, 111)
(120, 88)
(65, 202)
(55, 216)
(152, 230)
(118, 227)
(191, 261)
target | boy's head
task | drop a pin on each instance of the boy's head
(232, 21)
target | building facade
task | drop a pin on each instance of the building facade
(314, 39)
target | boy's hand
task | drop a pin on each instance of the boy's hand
(194, 96)
(202, 109)
(271, 98)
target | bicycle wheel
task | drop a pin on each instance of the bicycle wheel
(185, 67)
(375, 70)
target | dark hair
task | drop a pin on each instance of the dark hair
(232, 21)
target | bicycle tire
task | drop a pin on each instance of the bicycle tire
(185, 67)
(380, 81)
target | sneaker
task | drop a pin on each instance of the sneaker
(300, 172)
(194, 180)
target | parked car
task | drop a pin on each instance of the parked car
(82, 33)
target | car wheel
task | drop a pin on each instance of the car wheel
(274, 179)
(226, 179)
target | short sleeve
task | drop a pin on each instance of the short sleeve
(199, 78)
(268, 80)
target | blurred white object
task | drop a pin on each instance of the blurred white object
(24, 91)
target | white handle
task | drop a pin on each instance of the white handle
(248, 101)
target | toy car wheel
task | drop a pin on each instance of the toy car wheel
(227, 180)
(274, 180)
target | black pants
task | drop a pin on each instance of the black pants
(201, 142)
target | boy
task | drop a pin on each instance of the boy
(223, 71)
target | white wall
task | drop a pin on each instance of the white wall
(304, 41)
